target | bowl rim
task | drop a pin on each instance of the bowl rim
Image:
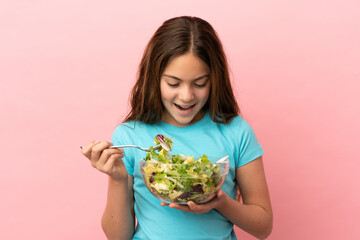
(226, 167)
(218, 163)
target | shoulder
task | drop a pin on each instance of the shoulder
(248, 146)
(130, 127)
(238, 131)
(127, 130)
(237, 120)
(237, 125)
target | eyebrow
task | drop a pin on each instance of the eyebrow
(179, 79)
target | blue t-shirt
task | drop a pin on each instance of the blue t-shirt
(236, 139)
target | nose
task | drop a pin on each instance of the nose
(186, 94)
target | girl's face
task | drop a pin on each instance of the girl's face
(185, 88)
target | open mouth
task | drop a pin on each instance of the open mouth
(184, 108)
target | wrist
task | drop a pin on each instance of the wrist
(118, 181)
(222, 200)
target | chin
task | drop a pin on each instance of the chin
(184, 123)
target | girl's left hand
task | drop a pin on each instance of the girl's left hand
(199, 208)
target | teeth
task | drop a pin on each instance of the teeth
(182, 107)
(185, 107)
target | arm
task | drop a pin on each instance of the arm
(118, 221)
(254, 214)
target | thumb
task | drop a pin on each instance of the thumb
(221, 194)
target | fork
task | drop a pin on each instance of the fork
(133, 146)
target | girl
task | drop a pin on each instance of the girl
(183, 91)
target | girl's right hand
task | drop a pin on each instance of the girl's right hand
(106, 160)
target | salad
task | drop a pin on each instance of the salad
(180, 178)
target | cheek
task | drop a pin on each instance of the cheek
(205, 94)
(165, 94)
(162, 91)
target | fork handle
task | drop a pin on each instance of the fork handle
(124, 146)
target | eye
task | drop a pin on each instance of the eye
(201, 82)
(199, 85)
(173, 84)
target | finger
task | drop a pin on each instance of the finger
(86, 151)
(181, 207)
(164, 204)
(106, 154)
(220, 194)
(193, 206)
(201, 208)
(97, 150)
(109, 165)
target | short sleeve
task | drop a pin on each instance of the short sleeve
(248, 146)
(118, 135)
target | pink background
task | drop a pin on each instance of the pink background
(66, 68)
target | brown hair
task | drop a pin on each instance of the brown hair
(176, 37)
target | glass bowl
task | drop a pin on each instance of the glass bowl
(180, 183)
